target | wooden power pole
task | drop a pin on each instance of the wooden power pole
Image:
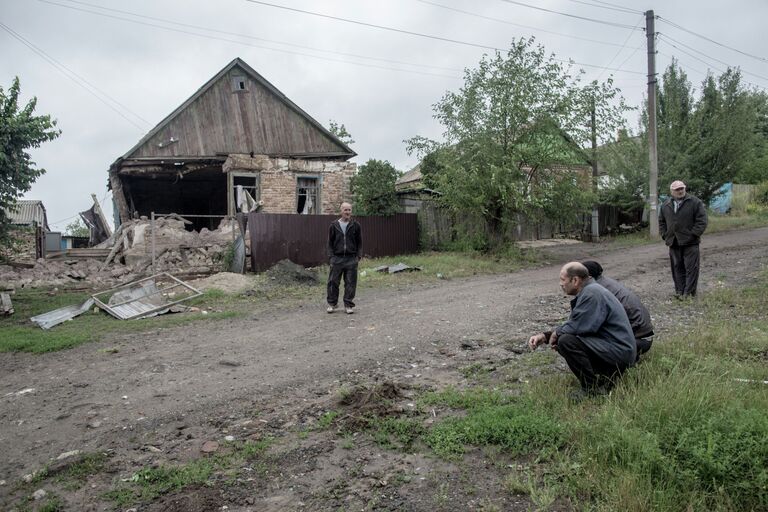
(653, 178)
(595, 212)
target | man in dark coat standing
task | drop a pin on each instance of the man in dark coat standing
(682, 221)
(345, 250)
(596, 341)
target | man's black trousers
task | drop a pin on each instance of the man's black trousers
(346, 267)
(591, 370)
(685, 268)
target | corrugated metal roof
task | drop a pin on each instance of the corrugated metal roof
(26, 212)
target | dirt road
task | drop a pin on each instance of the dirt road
(205, 378)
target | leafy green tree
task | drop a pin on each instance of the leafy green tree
(373, 188)
(77, 228)
(340, 131)
(624, 165)
(20, 130)
(509, 132)
(756, 169)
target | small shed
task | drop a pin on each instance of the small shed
(236, 141)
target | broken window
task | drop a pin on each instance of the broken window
(246, 191)
(307, 195)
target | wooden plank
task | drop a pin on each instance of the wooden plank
(6, 307)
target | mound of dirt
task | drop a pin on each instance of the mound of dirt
(286, 272)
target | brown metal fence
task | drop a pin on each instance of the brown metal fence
(303, 238)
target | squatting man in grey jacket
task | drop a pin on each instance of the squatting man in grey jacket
(596, 341)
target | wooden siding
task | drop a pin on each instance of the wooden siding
(224, 121)
(303, 238)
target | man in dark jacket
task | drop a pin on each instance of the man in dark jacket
(345, 249)
(682, 221)
(596, 341)
(639, 317)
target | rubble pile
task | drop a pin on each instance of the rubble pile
(177, 251)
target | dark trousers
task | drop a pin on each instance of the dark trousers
(643, 345)
(346, 267)
(685, 268)
(591, 369)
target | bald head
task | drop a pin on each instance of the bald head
(572, 277)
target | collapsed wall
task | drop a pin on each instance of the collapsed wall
(176, 250)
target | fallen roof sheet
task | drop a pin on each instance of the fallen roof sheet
(144, 298)
(61, 315)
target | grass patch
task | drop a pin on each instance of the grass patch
(680, 432)
(18, 334)
(148, 484)
(396, 433)
(516, 428)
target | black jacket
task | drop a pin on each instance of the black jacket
(345, 244)
(687, 225)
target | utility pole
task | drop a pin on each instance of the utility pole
(653, 179)
(595, 213)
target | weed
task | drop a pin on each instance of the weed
(393, 432)
(326, 420)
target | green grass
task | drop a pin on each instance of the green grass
(18, 334)
(680, 432)
(718, 222)
(147, 484)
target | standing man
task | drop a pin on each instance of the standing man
(682, 221)
(345, 250)
(639, 317)
(596, 341)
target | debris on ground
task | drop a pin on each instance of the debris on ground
(155, 295)
(61, 315)
(146, 297)
(286, 272)
(6, 306)
(127, 255)
(393, 269)
(229, 282)
(364, 403)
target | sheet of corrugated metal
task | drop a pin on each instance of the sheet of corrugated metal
(26, 212)
(303, 238)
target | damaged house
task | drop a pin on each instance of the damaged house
(237, 140)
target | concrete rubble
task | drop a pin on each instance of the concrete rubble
(176, 249)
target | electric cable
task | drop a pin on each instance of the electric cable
(583, 18)
(757, 57)
(77, 79)
(506, 22)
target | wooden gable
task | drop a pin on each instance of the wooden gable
(238, 111)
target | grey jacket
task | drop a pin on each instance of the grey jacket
(639, 317)
(687, 225)
(599, 320)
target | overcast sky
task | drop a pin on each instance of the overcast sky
(110, 70)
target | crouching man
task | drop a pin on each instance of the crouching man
(596, 341)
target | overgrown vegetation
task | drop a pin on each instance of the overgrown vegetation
(373, 189)
(683, 431)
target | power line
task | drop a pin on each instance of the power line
(622, 48)
(606, 5)
(468, 13)
(77, 79)
(246, 36)
(207, 36)
(417, 34)
(706, 55)
(762, 59)
(583, 18)
(708, 63)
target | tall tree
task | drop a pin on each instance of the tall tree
(373, 188)
(20, 130)
(517, 117)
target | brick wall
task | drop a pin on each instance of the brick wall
(278, 180)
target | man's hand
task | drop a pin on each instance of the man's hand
(536, 340)
(553, 340)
